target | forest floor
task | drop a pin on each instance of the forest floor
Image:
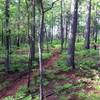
(20, 80)
(76, 84)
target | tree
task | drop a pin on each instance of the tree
(72, 34)
(7, 37)
(18, 24)
(62, 29)
(33, 33)
(95, 31)
(40, 38)
(40, 42)
(88, 22)
(2, 33)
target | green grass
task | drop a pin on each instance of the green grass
(86, 60)
(20, 95)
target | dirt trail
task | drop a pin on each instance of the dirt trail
(52, 60)
(11, 91)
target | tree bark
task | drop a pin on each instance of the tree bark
(7, 37)
(88, 22)
(66, 33)
(40, 57)
(2, 33)
(72, 34)
(33, 33)
(62, 29)
(18, 25)
(47, 44)
(95, 31)
(40, 42)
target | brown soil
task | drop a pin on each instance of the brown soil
(49, 92)
(23, 80)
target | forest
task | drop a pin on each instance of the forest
(49, 49)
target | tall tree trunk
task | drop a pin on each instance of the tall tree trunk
(2, 33)
(95, 27)
(30, 60)
(51, 33)
(72, 34)
(18, 25)
(88, 22)
(33, 33)
(40, 57)
(40, 44)
(28, 28)
(95, 31)
(66, 33)
(7, 30)
(62, 30)
(47, 44)
(42, 30)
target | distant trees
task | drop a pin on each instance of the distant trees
(88, 22)
(72, 34)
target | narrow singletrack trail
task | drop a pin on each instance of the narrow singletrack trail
(11, 90)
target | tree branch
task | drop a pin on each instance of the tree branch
(50, 7)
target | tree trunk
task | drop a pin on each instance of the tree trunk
(42, 30)
(30, 60)
(51, 37)
(40, 57)
(2, 33)
(40, 44)
(7, 37)
(47, 44)
(28, 28)
(62, 30)
(33, 33)
(66, 34)
(88, 22)
(95, 31)
(18, 25)
(72, 34)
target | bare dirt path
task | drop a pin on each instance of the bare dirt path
(11, 91)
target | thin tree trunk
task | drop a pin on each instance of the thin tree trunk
(40, 58)
(33, 33)
(40, 45)
(30, 60)
(72, 34)
(88, 22)
(18, 26)
(28, 27)
(47, 39)
(52, 28)
(2, 33)
(66, 34)
(95, 33)
(62, 30)
(7, 37)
